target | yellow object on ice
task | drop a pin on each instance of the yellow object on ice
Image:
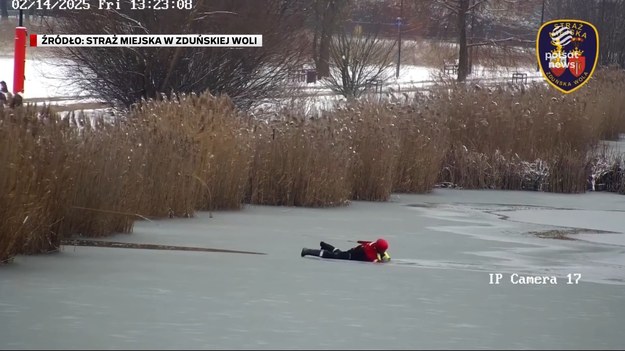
(384, 258)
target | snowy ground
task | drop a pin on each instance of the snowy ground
(46, 82)
(615, 147)
(434, 294)
(46, 78)
(418, 77)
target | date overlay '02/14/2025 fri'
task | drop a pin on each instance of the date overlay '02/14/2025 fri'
(102, 4)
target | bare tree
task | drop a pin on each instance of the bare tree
(462, 10)
(606, 15)
(328, 17)
(128, 74)
(468, 14)
(358, 59)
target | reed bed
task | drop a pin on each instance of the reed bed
(97, 179)
(375, 144)
(301, 162)
(361, 151)
(61, 177)
(496, 133)
(196, 153)
(31, 174)
(606, 99)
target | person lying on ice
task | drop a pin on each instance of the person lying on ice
(370, 251)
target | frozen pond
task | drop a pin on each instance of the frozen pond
(434, 294)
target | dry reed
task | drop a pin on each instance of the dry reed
(301, 162)
(82, 176)
(196, 154)
(97, 179)
(422, 146)
(375, 144)
(170, 157)
(31, 172)
(494, 131)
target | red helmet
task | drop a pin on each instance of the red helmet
(381, 245)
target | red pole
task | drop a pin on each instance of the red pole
(20, 60)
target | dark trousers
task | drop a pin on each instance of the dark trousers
(354, 254)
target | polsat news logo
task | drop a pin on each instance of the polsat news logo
(567, 52)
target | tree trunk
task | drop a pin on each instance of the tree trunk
(315, 45)
(323, 63)
(463, 55)
(325, 35)
(329, 15)
(4, 8)
(471, 50)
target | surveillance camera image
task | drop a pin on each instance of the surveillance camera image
(312, 174)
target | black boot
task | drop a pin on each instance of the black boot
(310, 252)
(326, 246)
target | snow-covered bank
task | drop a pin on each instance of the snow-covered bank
(615, 147)
(45, 78)
(434, 294)
(418, 77)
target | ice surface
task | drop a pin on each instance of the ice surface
(434, 294)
